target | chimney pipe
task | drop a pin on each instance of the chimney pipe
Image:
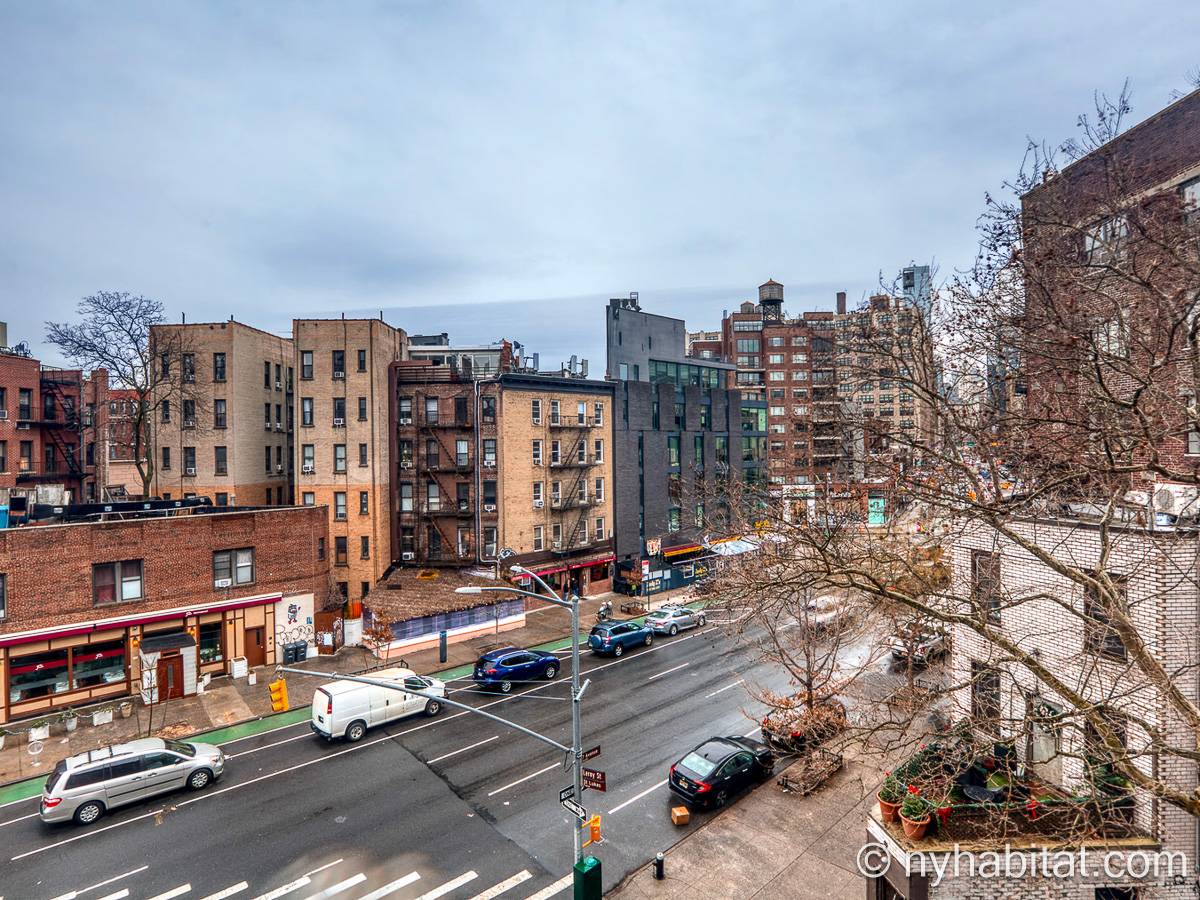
(841, 303)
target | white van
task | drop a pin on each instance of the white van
(348, 708)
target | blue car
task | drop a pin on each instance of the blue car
(510, 665)
(616, 637)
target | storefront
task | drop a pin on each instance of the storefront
(588, 576)
(158, 655)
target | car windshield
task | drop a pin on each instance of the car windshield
(181, 748)
(696, 763)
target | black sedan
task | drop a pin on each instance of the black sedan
(720, 767)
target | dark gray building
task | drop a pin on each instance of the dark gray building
(678, 444)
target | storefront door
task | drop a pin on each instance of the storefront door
(170, 677)
(256, 647)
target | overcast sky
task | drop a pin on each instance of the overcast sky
(499, 170)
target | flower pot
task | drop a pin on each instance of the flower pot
(126, 708)
(889, 811)
(3, 735)
(71, 722)
(39, 733)
(914, 829)
(102, 716)
(943, 814)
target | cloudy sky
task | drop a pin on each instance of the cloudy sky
(501, 169)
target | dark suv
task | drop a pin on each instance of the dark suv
(503, 668)
(616, 637)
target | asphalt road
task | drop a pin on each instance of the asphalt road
(455, 806)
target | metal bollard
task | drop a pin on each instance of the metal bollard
(441, 646)
(658, 867)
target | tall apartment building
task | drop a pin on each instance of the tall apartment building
(514, 463)
(681, 438)
(122, 480)
(343, 439)
(222, 421)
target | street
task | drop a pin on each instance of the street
(454, 806)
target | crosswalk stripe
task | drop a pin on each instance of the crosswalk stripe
(339, 887)
(506, 885)
(228, 892)
(391, 887)
(498, 790)
(558, 887)
(449, 886)
(119, 895)
(173, 892)
(285, 889)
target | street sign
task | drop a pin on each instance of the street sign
(591, 754)
(594, 779)
(572, 807)
(566, 793)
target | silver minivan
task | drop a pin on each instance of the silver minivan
(85, 786)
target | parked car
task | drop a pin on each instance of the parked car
(714, 772)
(794, 728)
(501, 668)
(926, 646)
(674, 619)
(348, 708)
(84, 787)
(617, 636)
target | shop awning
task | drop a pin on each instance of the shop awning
(733, 548)
(171, 640)
(679, 551)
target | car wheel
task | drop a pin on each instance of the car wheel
(618, 649)
(506, 687)
(199, 779)
(551, 671)
(432, 708)
(721, 799)
(355, 731)
(89, 812)
(674, 630)
(700, 621)
(649, 639)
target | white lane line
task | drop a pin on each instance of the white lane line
(173, 892)
(449, 886)
(362, 746)
(37, 796)
(119, 895)
(724, 689)
(494, 737)
(335, 889)
(21, 819)
(506, 885)
(649, 790)
(669, 671)
(285, 889)
(391, 887)
(328, 865)
(269, 746)
(557, 888)
(523, 780)
(268, 731)
(228, 892)
(71, 895)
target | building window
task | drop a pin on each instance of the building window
(673, 450)
(487, 410)
(537, 492)
(431, 410)
(117, 582)
(489, 453)
(581, 451)
(267, 459)
(775, 359)
(433, 496)
(339, 363)
(364, 549)
(537, 453)
(38, 675)
(339, 551)
(598, 414)
(306, 365)
(306, 412)
(599, 490)
(555, 453)
(166, 459)
(699, 519)
(3, 596)
(220, 461)
(236, 566)
(1098, 634)
(538, 541)
(364, 503)
(222, 498)
(1105, 239)
(218, 367)
(985, 694)
(339, 505)
(555, 417)
(362, 409)
(362, 360)
(461, 453)
(308, 458)
(599, 528)
(581, 413)
(489, 493)
(404, 410)
(339, 411)
(598, 450)
(433, 453)
(362, 456)
(555, 492)
(339, 457)
(209, 640)
(364, 588)
(189, 460)
(406, 496)
(320, 548)
(556, 535)
(985, 584)
(308, 498)
(536, 410)
(673, 519)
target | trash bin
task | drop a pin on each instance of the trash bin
(301, 650)
(296, 651)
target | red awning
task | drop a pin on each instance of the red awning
(598, 561)
(553, 571)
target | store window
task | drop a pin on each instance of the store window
(117, 581)
(38, 675)
(94, 665)
(210, 642)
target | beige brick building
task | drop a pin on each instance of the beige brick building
(342, 439)
(222, 428)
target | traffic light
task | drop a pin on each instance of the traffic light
(593, 827)
(279, 697)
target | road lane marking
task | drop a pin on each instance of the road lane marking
(553, 765)
(71, 895)
(506, 885)
(557, 888)
(669, 671)
(649, 790)
(328, 865)
(269, 746)
(494, 737)
(391, 887)
(449, 886)
(173, 892)
(724, 689)
(285, 889)
(334, 889)
(21, 819)
(228, 892)
(90, 833)
(119, 895)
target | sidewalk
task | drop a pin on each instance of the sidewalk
(772, 845)
(239, 708)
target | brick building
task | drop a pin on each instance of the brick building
(122, 479)
(222, 421)
(343, 439)
(99, 610)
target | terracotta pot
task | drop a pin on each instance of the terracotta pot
(914, 829)
(889, 811)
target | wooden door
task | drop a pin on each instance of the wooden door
(256, 647)
(170, 677)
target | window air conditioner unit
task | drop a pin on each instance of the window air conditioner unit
(558, 545)
(266, 426)
(279, 385)
(406, 464)
(223, 583)
(537, 420)
(406, 421)
(278, 426)
(308, 469)
(538, 504)
(190, 471)
(339, 423)
(189, 423)
(22, 426)
(3, 415)
(489, 464)
(583, 540)
(190, 379)
(489, 507)
(279, 470)
(408, 557)
(537, 462)
(339, 374)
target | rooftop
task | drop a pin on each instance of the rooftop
(409, 593)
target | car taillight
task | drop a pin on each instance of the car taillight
(672, 771)
(490, 672)
(703, 788)
(51, 802)
(607, 639)
(329, 704)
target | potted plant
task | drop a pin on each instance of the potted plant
(126, 708)
(70, 719)
(943, 808)
(39, 730)
(3, 735)
(102, 715)
(914, 816)
(890, 796)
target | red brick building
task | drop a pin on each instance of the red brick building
(97, 610)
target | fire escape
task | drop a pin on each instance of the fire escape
(576, 462)
(437, 462)
(61, 425)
